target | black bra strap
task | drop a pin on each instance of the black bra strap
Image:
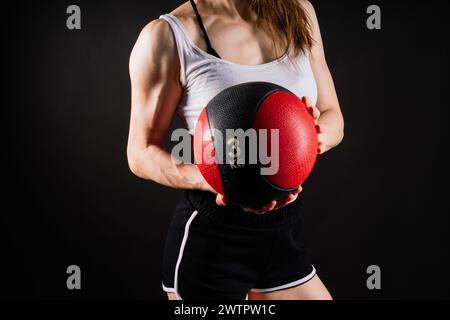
(202, 27)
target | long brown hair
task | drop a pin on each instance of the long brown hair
(286, 20)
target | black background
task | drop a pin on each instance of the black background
(380, 198)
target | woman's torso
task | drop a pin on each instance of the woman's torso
(203, 75)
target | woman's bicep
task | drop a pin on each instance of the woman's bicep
(155, 86)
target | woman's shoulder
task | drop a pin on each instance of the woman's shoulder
(155, 43)
(309, 8)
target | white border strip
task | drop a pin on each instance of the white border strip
(180, 255)
(289, 285)
(168, 290)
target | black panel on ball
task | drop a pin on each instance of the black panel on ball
(234, 108)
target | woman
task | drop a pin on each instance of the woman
(215, 250)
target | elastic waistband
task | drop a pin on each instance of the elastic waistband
(205, 204)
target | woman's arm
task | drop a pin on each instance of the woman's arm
(155, 92)
(328, 112)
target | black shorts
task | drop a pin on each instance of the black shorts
(216, 252)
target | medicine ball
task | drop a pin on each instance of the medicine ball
(255, 106)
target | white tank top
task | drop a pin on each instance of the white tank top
(203, 75)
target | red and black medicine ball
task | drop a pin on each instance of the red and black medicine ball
(227, 162)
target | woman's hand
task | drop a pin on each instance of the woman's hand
(221, 200)
(315, 113)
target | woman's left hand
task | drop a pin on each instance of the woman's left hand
(315, 113)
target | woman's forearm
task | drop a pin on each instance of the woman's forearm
(331, 125)
(156, 164)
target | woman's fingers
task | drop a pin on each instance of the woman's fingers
(284, 202)
(312, 109)
(315, 113)
(289, 199)
(318, 129)
(268, 207)
(272, 205)
(221, 200)
(320, 148)
(298, 190)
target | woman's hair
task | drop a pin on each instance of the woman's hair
(286, 20)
